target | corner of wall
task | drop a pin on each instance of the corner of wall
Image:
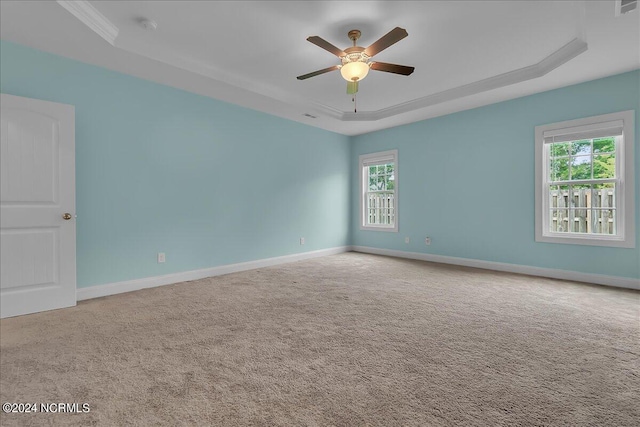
(350, 240)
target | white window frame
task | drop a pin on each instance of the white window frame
(625, 184)
(390, 156)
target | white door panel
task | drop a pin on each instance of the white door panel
(29, 144)
(31, 257)
(37, 187)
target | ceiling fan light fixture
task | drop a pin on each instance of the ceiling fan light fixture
(355, 60)
(354, 71)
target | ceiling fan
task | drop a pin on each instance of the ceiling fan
(356, 60)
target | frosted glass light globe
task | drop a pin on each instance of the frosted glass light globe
(354, 71)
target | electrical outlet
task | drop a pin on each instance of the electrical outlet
(427, 241)
(161, 257)
(406, 240)
(302, 240)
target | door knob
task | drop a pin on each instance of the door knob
(66, 216)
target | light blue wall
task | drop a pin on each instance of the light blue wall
(163, 170)
(467, 180)
(210, 183)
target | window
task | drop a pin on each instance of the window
(585, 181)
(379, 191)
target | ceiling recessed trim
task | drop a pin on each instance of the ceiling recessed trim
(96, 21)
(561, 56)
(92, 18)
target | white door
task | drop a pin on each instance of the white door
(37, 206)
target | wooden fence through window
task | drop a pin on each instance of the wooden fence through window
(583, 210)
(381, 208)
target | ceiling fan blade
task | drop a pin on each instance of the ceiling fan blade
(317, 73)
(320, 42)
(392, 37)
(392, 68)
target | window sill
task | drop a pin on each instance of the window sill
(374, 228)
(582, 239)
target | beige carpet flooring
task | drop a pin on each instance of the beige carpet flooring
(345, 340)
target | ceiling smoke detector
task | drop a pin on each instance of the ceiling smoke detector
(148, 24)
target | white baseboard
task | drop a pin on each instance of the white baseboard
(152, 282)
(168, 279)
(599, 279)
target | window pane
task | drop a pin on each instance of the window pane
(553, 196)
(560, 149)
(372, 184)
(381, 169)
(563, 196)
(603, 195)
(382, 184)
(560, 169)
(604, 166)
(604, 145)
(372, 170)
(380, 208)
(558, 220)
(579, 221)
(582, 208)
(580, 148)
(581, 167)
(581, 196)
(603, 221)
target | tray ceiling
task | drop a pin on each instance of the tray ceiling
(466, 54)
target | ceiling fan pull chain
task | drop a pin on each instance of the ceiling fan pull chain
(355, 104)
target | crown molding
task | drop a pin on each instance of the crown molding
(561, 56)
(92, 18)
(206, 70)
(96, 21)
(326, 110)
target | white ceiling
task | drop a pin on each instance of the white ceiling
(466, 53)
